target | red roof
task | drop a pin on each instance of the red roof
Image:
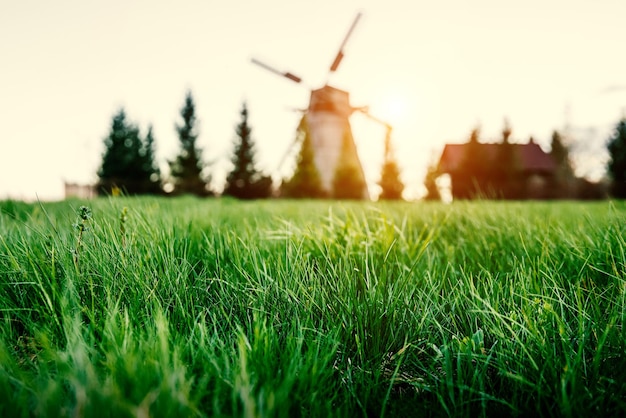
(530, 156)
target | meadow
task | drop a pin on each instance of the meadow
(153, 307)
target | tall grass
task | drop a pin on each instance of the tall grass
(154, 307)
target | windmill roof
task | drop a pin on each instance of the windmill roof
(530, 156)
(330, 99)
(331, 88)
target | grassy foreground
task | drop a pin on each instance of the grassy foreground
(220, 308)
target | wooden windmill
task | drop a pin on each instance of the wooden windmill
(328, 117)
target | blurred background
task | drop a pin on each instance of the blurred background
(433, 70)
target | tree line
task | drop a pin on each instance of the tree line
(129, 165)
(501, 176)
(617, 160)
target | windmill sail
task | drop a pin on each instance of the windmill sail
(269, 68)
(339, 56)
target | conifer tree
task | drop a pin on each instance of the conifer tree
(392, 186)
(348, 182)
(186, 169)
(564, 179)
(473, 168)
(306, 181)
(151, 174)
(432, 191)
(560, 154)
(244, 180)
(617, 160)
(502, 181)
(121, 166)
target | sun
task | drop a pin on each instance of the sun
(392, 107)
(397, 107)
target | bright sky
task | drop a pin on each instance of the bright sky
(432, 69)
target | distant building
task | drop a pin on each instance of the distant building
(477, 170)
(80, 191)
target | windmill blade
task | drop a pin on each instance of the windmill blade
(339, 56)
(286, 74)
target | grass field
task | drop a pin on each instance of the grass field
(184, 307)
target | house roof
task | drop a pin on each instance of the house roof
(530, 156)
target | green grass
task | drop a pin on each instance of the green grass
(192, 307)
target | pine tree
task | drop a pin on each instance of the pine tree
(244, 181)
(306, 181)
(121, 166)
(432, 191)
(473, 169)
(186, 169)
(392, 186)
(564, 179)
(617, 160)
(151, 174)
(348, 181)
(502, 181)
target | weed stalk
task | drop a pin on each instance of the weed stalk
(81, 225)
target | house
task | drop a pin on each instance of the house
(498, 170)
(80, 191)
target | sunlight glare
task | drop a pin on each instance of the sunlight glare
(393, 108)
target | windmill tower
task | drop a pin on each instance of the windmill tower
(328, 117)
